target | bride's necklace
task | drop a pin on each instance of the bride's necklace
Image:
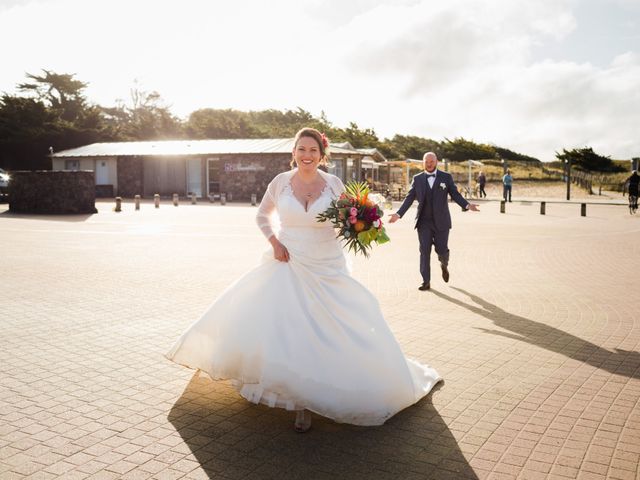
(306, 192)
(308, 189)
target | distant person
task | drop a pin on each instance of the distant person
(507, 183)
(431, 189)
(482, 181)
(633, 181)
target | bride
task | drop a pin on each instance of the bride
(298, 332)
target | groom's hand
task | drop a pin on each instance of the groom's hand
(394, 217)
(474, 207)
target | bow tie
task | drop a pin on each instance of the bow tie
(431, 175)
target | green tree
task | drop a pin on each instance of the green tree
(53, 114)
(461, 149)
(212, 123)
(60, 91)
(409, 146)
(357, 137)
(586, 159)
(146, 117)
(511, 155)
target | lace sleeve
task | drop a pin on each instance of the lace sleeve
(336, 186)
(266, 209)
(339, 187)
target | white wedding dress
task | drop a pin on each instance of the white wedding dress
(304, 334)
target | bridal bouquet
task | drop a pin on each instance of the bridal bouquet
(358, 218)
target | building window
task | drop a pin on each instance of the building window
(72, 165)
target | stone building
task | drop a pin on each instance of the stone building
(236, 167)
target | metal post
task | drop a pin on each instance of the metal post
(193, 199)
(137, 200)
(253, 199)
(569, 179)
(502, 206)
(543, 208)
(175, 199)
(156, 200)
(223, 199)
(583, 209)
(408, 182)
(118, 204)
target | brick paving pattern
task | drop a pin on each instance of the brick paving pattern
(537, 336)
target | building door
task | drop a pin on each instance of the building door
(102, 172)
(213, 176)
(194, 176)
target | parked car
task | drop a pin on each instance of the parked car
(4, 183)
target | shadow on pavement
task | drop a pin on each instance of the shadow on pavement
(74, 218)
(620, 362)
(233, 438)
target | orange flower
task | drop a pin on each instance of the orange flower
(359, 226)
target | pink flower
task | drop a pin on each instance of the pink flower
(353, 212)
(325, 142)
(353, 220)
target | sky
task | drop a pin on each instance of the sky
(532, 76)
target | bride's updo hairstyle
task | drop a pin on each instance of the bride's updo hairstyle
(320, 139)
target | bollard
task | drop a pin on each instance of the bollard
(175, 199)
(137, 199)
(156, 200)
(543, 207)
(501, 206)
(118, 204)
(223, 199)
(230, 196)
(193, 199)
(583, 209)
(253, 199)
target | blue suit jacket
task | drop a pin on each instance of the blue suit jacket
(443, 187)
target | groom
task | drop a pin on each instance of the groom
(433, 220)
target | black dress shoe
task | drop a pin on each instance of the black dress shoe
(445, 273)
(424, 286)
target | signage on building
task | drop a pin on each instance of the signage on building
(239, 167)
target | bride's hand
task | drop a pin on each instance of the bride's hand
(280, 252)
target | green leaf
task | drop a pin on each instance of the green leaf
(382, 237)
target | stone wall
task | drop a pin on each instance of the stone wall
(238, 178)
(52, 192)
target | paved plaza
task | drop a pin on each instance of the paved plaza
(537, 336)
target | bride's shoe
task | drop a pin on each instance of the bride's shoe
(303, 421)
